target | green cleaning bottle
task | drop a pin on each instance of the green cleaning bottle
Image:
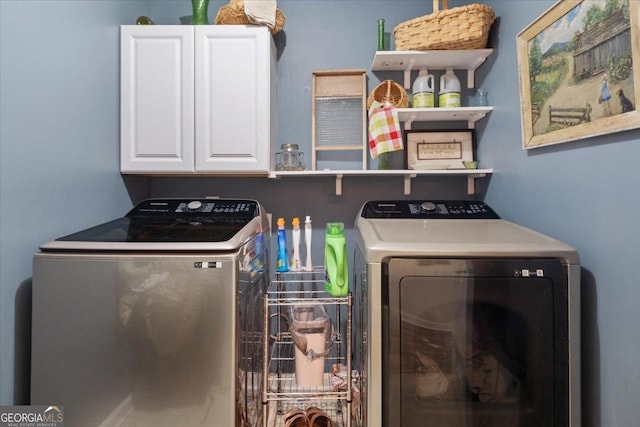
(336, 280)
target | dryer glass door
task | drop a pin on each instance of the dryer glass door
(475, 343)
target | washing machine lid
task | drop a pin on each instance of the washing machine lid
(448, 229)
(173, 225)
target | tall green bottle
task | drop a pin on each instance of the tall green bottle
(336, 281)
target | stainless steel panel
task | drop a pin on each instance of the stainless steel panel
(136, 340)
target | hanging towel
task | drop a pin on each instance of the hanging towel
(261, 12)
(384, 129)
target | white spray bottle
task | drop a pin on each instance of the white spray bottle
(307, 241)
(295, 264)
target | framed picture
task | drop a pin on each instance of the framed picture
(579, 66)
(438, 149)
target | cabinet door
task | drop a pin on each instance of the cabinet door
(235, 98)
(157, 99)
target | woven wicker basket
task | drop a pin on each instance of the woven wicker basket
(389, 91)
(233, 14)
(465, 27)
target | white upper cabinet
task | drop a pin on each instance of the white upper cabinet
(197, 99)
(156, 99)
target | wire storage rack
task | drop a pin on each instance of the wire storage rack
(281, 392)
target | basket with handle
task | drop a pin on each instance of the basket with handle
(464, 27)
(389, 91)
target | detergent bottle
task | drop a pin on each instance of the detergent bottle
(336, 281)
(295, 264)
(449, 90)
(308, 233)
(423, 90)
(282, 262)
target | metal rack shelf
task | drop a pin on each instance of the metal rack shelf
(280, 390)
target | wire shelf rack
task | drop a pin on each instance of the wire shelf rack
(281, 392)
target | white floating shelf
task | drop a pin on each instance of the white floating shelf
(469, 114)
(408, 175)
(408, 60)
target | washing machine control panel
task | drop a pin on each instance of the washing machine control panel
(177, 208)
(432, 209)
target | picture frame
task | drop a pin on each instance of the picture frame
(573, 54)
(438, 149)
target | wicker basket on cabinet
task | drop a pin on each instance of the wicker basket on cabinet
(233, 14)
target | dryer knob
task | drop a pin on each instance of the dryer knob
(429, 206)
(195, 205)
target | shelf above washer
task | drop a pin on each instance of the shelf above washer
(408, 175)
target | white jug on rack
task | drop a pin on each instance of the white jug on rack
(312, 333)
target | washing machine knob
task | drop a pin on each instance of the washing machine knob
(194, 205)
(429, 206)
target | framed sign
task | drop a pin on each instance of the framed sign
(440, 149)
(579, 66)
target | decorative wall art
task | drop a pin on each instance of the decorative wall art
(579, 66)
(438, 149)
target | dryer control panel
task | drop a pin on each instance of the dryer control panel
(431, 209)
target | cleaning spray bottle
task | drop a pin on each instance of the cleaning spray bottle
(336, 282)
(308, 231)
(449, 90)
(295, 265)
(423, 90)
(282, 262)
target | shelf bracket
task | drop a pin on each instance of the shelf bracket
(409, 120)
(471, 185)
(471, 182)
(471, 78)
(407, 73)
(339, 184)
(471, 71)
(407, 183)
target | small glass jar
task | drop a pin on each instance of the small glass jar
(289, 158)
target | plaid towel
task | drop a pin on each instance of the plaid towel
(384, 129)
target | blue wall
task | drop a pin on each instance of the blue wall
(585, 193)
(59, 120)
(59, 117)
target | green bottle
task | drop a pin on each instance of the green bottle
(381, 35)
(336, 280)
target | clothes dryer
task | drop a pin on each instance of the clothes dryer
(465, 319)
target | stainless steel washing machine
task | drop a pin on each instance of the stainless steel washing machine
(464, 319)
(154, 318)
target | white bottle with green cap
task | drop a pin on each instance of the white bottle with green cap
(449, 90)
(423, 90)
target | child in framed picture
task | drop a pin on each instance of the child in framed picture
(605, 95)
